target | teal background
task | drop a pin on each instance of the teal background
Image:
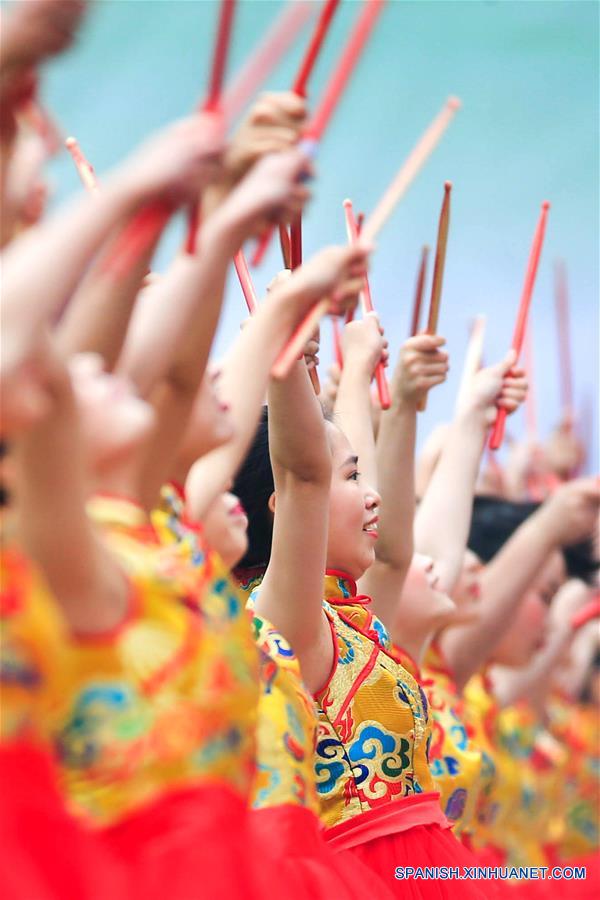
(527, 73)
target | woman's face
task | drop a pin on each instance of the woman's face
(225, 527)
(352, 511)
(467, 591)
(115, 421)
(422, 604)
(527, 631)
(210, 425)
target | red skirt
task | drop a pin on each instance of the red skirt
(298, 863)
(189, 844)
(409, 845)
(45, 854)
(565, 887)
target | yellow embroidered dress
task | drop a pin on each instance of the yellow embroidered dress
(455, 759)
(534, 824)
(44, 852)
(373, 715)
(376, 792)
(577, 726)
(157, 741)
(294, 859)
(499, 788)
(287, 726)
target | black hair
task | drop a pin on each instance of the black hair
(495, 520)
(254, 485)
(581, 562)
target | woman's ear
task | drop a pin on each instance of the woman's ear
(271, 503)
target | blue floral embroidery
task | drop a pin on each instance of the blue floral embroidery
(455, 806)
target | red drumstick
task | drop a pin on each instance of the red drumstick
(346, 64)
(286, 247)
(241, 267)
(337, 342)
(520, 325)
(212, 102)
(299, 87)
(296, 243)
(249, 78)
(149, 222)
(367, 305)
(588, 612)
(314, 47)
(419, 289)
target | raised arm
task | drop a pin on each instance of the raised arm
(42, 269)
(363, 348)
(421, 366)
(534, 682)
(444, 514)
(291, 595)
(245, 370)
(51, 488)
(170, 341)
(565, 518)
(97, 317)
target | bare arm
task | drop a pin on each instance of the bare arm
(291, 595)
(96, 320)
(535, 680)
(421, 366)
(245, 371)
(172, 341)
(53, 528)
(567, 517)
(444, 515)
(42, 269)
(363, 347)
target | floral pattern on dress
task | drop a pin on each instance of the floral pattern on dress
(170, 699)
(455, 759)
(287, 724)
(364, 761)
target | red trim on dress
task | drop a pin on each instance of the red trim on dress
(177, 487)
(339, 574)
(390, 818)
(363, 674)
